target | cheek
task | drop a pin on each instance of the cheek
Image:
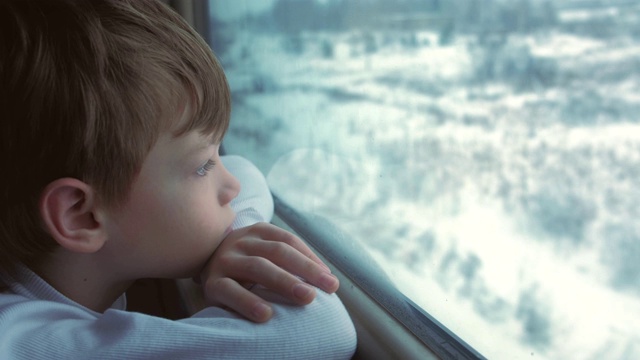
(190, 216)
(147, 213)
(171, 214)
(200, 215)
(160, 227)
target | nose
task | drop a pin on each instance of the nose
(230, 187)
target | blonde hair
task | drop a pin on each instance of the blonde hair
(86, 87)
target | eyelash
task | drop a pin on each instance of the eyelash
(204, 169)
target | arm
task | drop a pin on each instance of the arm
(38, 329)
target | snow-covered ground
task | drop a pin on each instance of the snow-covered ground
(499, 188)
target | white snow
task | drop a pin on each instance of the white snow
(456, 189)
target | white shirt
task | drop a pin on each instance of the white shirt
(38, 322)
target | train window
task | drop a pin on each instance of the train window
(485, 153)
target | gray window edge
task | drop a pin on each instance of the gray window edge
(347, 255)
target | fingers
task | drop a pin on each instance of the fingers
(289, 259)
(227, 292)
(267, 255)
(284, 261)
(278, 280)
(273, 233)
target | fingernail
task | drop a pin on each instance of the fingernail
(328, 282)
(302, 291)
(261, 311)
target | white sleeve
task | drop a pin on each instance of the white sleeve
(36, 329)
(254, 203)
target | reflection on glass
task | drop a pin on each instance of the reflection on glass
(487, 153)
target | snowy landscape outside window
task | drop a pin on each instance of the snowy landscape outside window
(485, 152)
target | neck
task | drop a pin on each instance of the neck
(84, 279)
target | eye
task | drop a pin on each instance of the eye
(204, 169)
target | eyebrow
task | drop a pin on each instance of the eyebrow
(212, 140)
(203, 145)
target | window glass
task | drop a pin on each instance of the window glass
(486, 153)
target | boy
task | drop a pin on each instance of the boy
(113, 115)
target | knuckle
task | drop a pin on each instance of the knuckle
(285, 280)
(258, 227)
(214, 287)
(225, 263)
(278, 250)
(311, 267)
(256, 266)
(290, 238)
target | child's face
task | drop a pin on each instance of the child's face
(178, 210)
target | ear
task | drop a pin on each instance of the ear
(69, 210)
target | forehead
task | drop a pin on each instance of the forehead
(186, 120)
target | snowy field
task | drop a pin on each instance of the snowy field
(496, 184)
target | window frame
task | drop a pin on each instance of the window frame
(407, 325)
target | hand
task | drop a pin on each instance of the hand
(267, 255)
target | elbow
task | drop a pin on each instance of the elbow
(336, 329)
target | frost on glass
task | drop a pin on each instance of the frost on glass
(487, 153)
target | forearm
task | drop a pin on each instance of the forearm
(34, 329)
(320, 330)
